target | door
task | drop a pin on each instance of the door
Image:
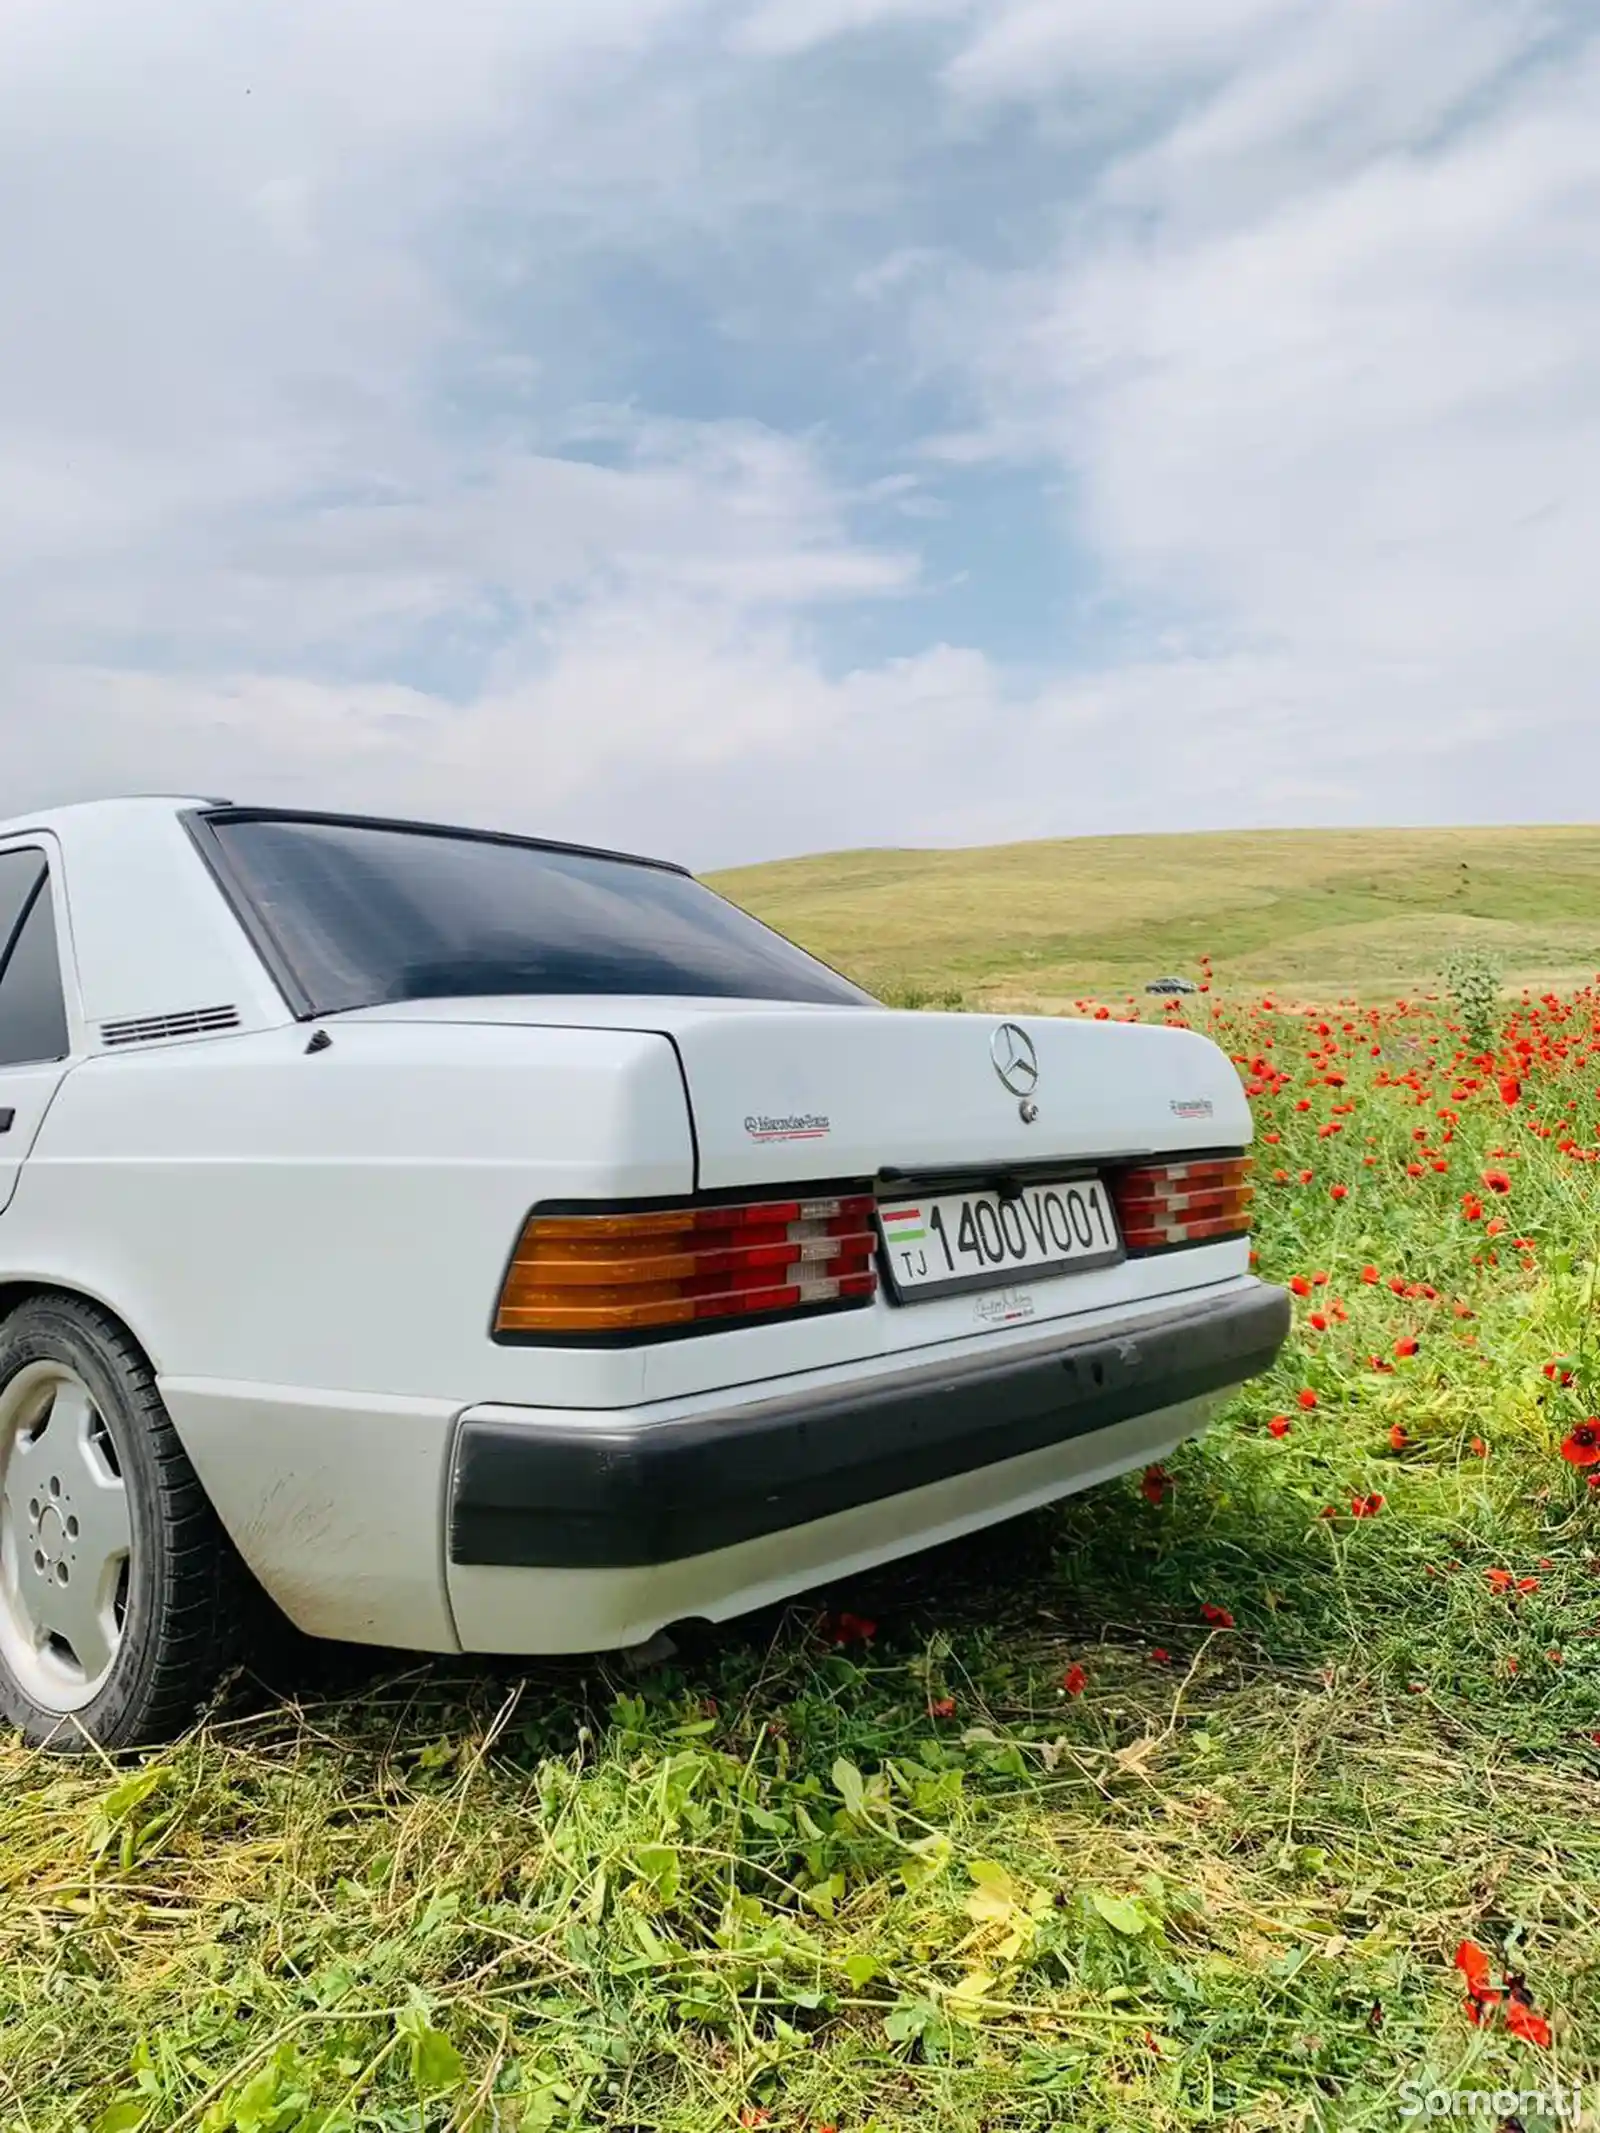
(33, 1016)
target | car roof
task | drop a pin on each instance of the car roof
(75, 814)
(128, 812)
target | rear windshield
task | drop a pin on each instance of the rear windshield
(362, 914)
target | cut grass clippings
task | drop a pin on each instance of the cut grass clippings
(1167, 1808)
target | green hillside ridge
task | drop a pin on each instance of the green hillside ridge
(1312, 913)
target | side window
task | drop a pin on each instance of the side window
(33, 1013)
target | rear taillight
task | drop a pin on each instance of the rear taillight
(689, 1266)
(1164, 1204)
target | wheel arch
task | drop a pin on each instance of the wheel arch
(287, 1475)
(18, 1290)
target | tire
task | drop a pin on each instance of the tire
(121, 1597)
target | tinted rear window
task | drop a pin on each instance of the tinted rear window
(362, 914)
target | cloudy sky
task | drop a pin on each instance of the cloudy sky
(739, 427)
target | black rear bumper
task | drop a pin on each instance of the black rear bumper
(608, 1494)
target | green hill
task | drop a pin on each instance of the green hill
(1318, 913)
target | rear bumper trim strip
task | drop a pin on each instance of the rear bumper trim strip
(609, 1494)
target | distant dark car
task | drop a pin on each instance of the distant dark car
(1166, 985)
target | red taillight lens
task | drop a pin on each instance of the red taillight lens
(684, 1266)
(1163, 1204)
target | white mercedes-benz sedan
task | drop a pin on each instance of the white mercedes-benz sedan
(487, 1245)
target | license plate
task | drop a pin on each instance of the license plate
(970, 1240)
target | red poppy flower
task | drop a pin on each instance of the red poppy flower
(1407, 1344)
(1219, 1616)
(1279, 1426)
(1558, 1371)
(1319, 1281)
(1507, 1581)
(1474, 1967)
(1581, 1446)
(1398, 1440)
(850, 1629)
(1160, 1656)
(1307, 1398)
(1075, 1680)
(1523, 2022)
(1478, 1448)
(1371, 1276)
(942, 1707)
(1306, 1176)
(1318, 1322)
(1497, 1180)
(1300, 1285)
(1365, 1506)
(1338, 1192)
(1156, 1485)
(1510, 1089)
(1471, 1207)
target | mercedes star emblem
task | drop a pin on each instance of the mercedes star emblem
(1015, 1060)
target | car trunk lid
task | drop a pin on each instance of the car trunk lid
(783, 1095)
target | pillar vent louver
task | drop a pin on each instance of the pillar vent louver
(159, 1029)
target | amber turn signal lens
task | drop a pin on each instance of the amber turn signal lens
(620, 1273)
(1163, 1204)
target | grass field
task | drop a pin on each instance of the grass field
(1165, 1809)
(1315, 913)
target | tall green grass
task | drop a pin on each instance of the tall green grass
(1009, 1837)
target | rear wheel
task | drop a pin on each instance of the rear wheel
(120, 1594)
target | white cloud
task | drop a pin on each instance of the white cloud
(777, 28)
(227, 436)
(1285, 310)
(659, 727)
(1028, 48)
(1319, 361)
(1366, 414)
(635, 614)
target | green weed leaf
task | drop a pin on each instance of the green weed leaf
(436, 2065)
(1121, 1914)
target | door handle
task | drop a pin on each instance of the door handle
(7, 1119)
